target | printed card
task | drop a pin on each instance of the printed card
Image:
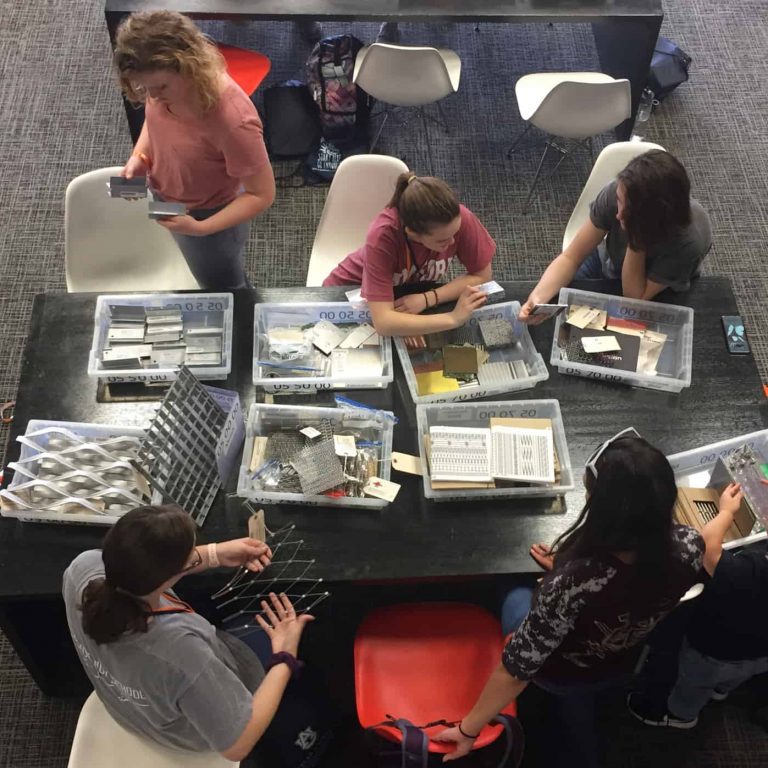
(594, 344)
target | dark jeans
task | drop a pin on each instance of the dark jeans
(570, 729)
(591, 268)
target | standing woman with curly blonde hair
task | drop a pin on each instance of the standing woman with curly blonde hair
(201, 144)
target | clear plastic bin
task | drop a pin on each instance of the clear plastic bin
(522, 350)
(674, 365)
(27, 452)
(479, 415)
(265, 419)
(693, 468)
(285, 315)
(207, 308)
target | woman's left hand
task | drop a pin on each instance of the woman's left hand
(463, 744)
(253, 554)
(183, 225)
(412, 303)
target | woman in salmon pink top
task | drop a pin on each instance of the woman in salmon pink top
(201, 144)
(413, 240)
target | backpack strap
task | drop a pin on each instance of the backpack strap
(414, 740)
(515, 738)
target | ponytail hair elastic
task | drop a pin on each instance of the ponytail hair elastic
(412, 177)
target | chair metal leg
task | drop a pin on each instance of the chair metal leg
(426, 141)
(378, 133)
(538, 173)
(443, 118)
(519, 139)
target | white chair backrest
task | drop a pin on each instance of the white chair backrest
(576, 110)
(610, 161)
(403, 76)
(101, 742)
(360, 190)
(112, 245)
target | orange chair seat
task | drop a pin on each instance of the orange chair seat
(425, 662)
(246, 68)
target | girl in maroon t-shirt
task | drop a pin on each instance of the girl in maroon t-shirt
(413, 240)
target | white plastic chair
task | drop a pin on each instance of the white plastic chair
(112, 245)
(361, 188)
(572, 105)
(100, 742)
(609, 163)
(408, 76)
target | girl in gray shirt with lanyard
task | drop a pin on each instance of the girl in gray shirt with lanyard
(160, 669)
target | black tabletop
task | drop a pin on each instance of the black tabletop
(412, 538)
(402, 10)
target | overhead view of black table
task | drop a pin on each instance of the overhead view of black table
(625, 31)
(411, 539)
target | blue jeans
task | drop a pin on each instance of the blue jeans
(591, 268)
(217, 261)
(571, 729)
(700, 676)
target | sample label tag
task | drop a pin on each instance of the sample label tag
(310, 432)
(594, 344)
(581, 317)
(381, 489)
(404, 462)
(344, 445)
(357, 337)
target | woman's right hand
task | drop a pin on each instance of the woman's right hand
(471, 298)
(285, 627)
(542, 554)
(134, 167)
(525, 315)
(730, 499)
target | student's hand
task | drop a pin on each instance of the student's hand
(471, 298)
(413, 303)
(542, 554)
(134, 167)
(253, 554)
(525, 315)
(730, 499)
(463, 744)
(183, 225)
(284, 628)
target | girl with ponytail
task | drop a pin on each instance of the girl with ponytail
(160, 669)
(414, 240)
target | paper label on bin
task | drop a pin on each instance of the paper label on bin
(381, 489)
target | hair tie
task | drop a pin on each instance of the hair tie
(412, 177)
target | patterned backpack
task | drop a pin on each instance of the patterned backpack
(344, 108)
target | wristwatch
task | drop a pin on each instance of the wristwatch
(283, 657)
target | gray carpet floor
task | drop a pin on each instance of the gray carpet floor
(61, 115)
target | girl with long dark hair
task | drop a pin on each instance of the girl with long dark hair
(613, 575)
(644, 229)
(160, 669)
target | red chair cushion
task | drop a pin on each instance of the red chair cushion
(425, 662)
(246, 68)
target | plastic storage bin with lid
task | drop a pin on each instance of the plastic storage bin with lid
(512, 362)
(526, 414)
(292, 449)
(318, 345)
(656, 341)
(694, 470)
(205, 318)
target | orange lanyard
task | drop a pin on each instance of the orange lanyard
(179, 606)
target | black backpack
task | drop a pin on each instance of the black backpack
(669, 68)
(291, 121)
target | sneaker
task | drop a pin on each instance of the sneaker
(650, 715)
(719, 695)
